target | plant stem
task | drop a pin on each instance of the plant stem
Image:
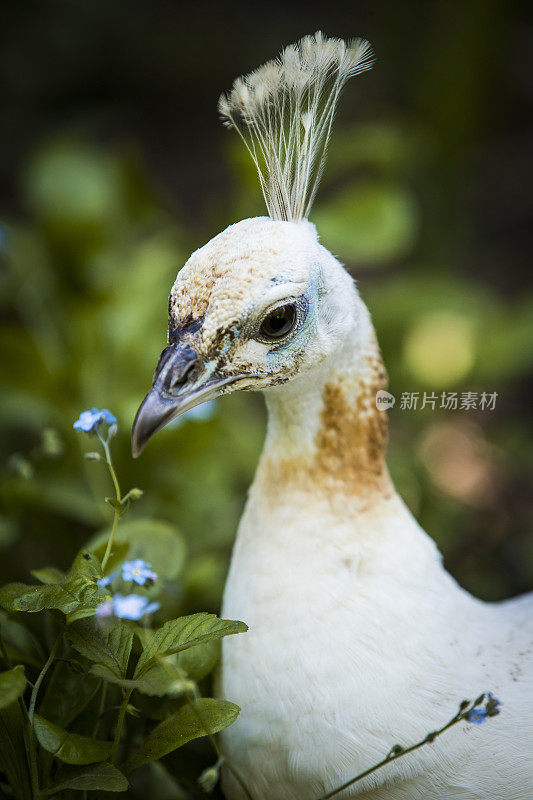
(32, 752)
(112, 472)
(40, 678)
(120, 725)
(218, 751)
(32, 755)
(110, 540)
(100, 709)
(118, 496)
(393, 755)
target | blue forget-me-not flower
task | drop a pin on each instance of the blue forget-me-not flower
(106, 580)
(89, 421)
(477, 716)
(491, 709)
(138, 570)
(130, 606)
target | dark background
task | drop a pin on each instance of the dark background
(114, 167)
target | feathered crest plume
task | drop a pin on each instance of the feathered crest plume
(284, 111)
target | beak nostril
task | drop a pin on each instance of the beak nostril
(179, 379)
(173, 370)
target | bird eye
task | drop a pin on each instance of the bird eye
(279, 322)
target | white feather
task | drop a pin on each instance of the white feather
(284, 111)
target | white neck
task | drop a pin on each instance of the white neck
(325, 433)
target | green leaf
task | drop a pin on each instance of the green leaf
(109, 645)
(157, 542)
(179, 634)
(82, 612)
(77, 589)
(157, 682)
(24, 597)
(12, 685)
(69, 747)
(85, 565)
(199, 661)
(121, 506)
(182, 727)
(83, 574)
(48, 575)
(19, 641)
(104, 777)
(67, 694)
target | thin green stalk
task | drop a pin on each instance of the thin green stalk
(32, 751)
(118, 496)
(120, 725)
(112, 472)
(110, 540)
(217, 749)
(394, 754)
(33, 699)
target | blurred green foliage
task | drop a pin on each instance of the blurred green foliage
(93, 235)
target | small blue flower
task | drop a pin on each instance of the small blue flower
(106, 580)
(105, 609)
(138, 570)
(89, 421)
(477, 716)
(130, 606)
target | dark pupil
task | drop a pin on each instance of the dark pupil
(279, 322)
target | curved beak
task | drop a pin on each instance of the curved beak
(180, 383)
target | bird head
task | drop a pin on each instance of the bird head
(263, 303)
(260, 304)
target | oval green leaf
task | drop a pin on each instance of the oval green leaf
(12, 685)
(208, 716)
(103, 777)
(179, 634)
(69, 747)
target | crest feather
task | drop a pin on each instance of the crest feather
(284, 111)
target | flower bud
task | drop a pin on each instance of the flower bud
(208, 779)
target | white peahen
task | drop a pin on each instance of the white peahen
(358, 636)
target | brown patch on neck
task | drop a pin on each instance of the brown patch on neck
(351, 441)
(352, 437)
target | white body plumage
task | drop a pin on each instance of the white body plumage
(358, 638)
